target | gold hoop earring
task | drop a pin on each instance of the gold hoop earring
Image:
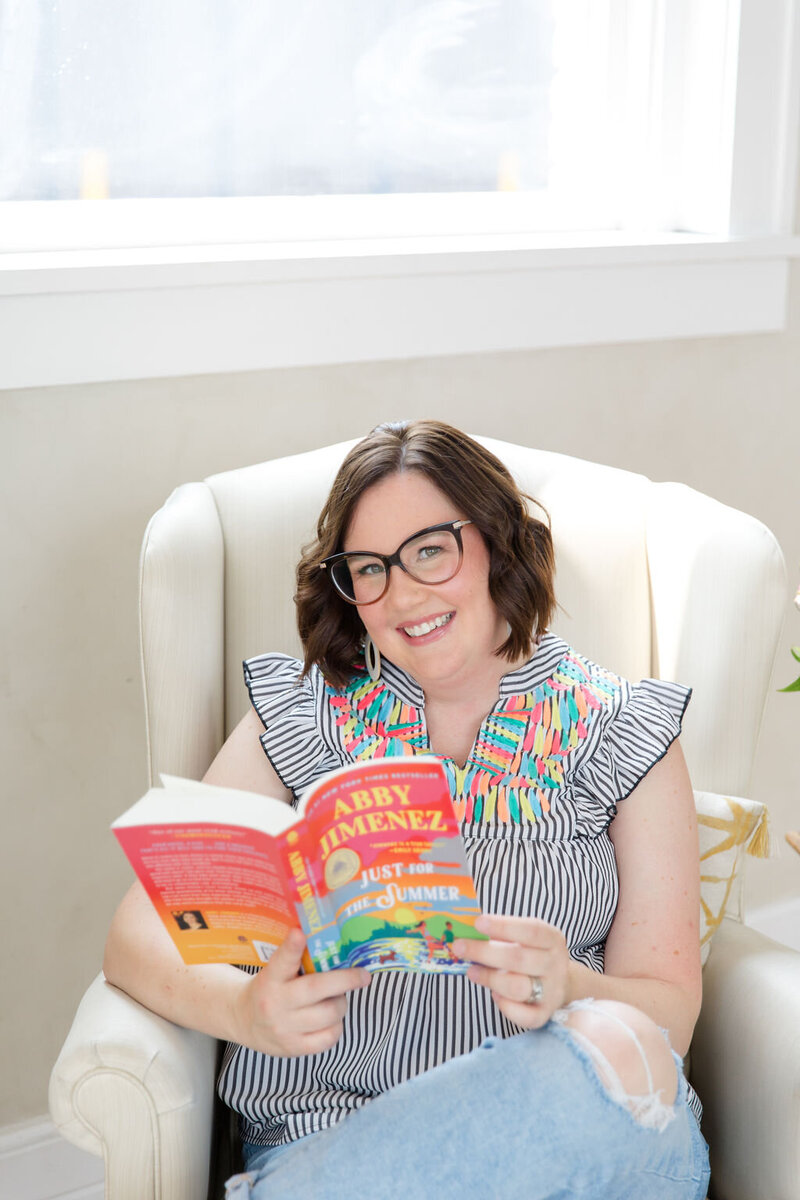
(372, 657)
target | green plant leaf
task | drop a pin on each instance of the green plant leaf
(796, 652)
(793, 687)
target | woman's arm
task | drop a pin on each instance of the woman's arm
(276, 1011)
(652, 956)
(242, 763)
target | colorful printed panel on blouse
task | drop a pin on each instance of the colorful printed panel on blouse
(517, 763)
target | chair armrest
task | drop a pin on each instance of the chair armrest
(139, 1091)
(746, 1065)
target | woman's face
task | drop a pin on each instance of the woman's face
(467, 627)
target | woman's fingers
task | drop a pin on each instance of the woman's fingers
(289, 1014)
(513, 985)
(314, 989)
(522, 958)
(521, 944)
(285, 961)
(319, 1015)
(526, 931)
(512, 991)
(527, 1016)
(284, 966)
(510, 956)
(312, 1017)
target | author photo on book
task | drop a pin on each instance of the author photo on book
(552, 1065)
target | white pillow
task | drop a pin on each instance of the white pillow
(729, 827)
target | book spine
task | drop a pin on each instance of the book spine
(307, 902)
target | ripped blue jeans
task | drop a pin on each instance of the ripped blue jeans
(540, 1116)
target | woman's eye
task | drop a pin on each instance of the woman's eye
(427, 552)
(369, 569)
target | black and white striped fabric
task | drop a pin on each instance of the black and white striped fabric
(533, 850)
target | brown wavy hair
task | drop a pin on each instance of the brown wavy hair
(522, 565)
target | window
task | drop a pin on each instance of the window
(223, 98)
(252, 145)
(601, 114)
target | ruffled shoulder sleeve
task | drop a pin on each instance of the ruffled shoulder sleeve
(636, 732)
(288, 705)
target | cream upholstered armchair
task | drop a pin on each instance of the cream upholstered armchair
(653, 579)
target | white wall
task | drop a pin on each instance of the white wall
(83, 467)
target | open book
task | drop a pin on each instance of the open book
(371, 866)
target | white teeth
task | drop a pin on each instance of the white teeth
(427, 626)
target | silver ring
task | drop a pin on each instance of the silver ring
(537, 991)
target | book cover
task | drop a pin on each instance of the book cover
(371, 866)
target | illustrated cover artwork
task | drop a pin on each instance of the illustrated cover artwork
(371, 866)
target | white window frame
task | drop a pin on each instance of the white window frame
(366, 278)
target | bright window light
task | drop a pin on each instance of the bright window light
(593, 114)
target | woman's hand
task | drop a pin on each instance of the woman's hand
(283, 1013)
(521, 950)
(652, 952)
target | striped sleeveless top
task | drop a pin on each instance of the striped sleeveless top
(565, 742)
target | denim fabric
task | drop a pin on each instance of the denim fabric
(526, 1116)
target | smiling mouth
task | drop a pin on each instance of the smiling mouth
(415, 631)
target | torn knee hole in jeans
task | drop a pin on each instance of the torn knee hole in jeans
(648, 1109)
(240, 1186)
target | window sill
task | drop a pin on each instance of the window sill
(90, 316)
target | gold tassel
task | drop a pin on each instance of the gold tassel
(759, 845)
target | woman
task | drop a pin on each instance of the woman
(423, 607)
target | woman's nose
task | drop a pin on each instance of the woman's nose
(403, 585)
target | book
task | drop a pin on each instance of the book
(370, 865)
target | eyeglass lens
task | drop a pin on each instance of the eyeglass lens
(430, 558)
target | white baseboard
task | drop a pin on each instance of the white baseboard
(37, 1163)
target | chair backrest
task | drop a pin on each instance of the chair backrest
(653, 579)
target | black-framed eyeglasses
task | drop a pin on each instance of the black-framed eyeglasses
(432, 555)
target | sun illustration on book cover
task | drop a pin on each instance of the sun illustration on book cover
(342, 866)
